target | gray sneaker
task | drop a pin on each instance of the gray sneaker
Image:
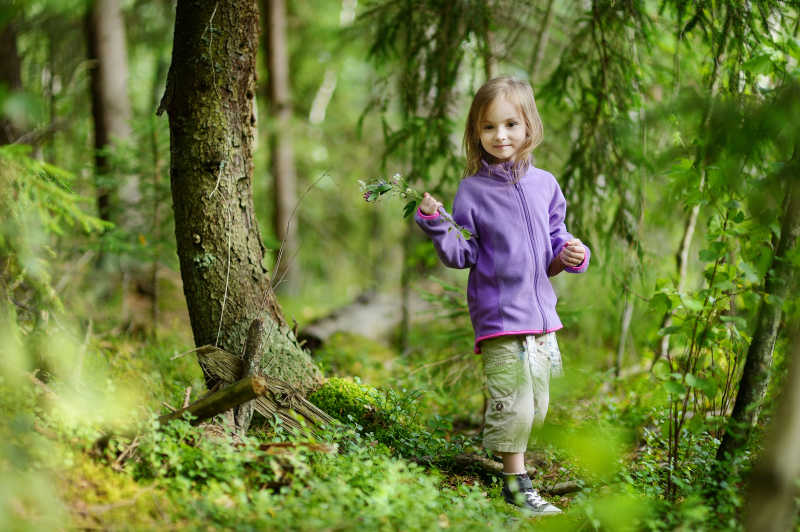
(518, 490)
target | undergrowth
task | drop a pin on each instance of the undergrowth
(391, 463)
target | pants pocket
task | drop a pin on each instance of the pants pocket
(504, 373)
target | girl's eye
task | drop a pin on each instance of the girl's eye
(487, 127)
(511, 124)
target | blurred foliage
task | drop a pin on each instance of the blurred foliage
(650, 109)
(40, 206)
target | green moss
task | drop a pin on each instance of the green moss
(204, 261)
(347, 400)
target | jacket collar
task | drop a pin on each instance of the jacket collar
(501, 171)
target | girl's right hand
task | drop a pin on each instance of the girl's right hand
(429, 204)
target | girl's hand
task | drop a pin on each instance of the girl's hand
(429, 205)
(573, 253)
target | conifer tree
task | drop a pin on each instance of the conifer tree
(210, 102)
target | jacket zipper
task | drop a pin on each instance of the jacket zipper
(532, 242)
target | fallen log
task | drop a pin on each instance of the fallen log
(372, 315)
(562, 488)
(218, 402)
(281, 401)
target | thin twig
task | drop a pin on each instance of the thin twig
(117, 465)
(436, 363)
(288, 223)
(219, 178)
(227, 279)
(179, 355)
(187, 396)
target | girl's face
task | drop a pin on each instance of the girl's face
(502, 129)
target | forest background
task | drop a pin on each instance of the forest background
(149, 151)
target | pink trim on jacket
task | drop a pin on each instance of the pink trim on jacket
(427, 216)
(575, 269)
(509, 333)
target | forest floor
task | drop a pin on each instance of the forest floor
(395, 468)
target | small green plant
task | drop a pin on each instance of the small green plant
(39, 205)
(399, 187)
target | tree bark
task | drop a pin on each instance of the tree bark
(625, 325)
(541, 41)
(280, 140)
(771, 505)
(110, 105)
(755, 375)
(243, 414)
(10, 76)
(210, 102)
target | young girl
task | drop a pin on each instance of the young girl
(515, 213)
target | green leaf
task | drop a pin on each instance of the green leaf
(661, 299)
(669, 330)
(691, 303)
(409, 208)
(725, 285)
(706, 386)
(761, 64)
(675, 388)
(749, 272)
(708, 255)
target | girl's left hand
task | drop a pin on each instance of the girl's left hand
(573, 253)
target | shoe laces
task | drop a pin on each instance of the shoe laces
(535, 499)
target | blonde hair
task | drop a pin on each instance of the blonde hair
(517, 92)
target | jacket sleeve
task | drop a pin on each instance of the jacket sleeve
(453, 248)
(558, 230)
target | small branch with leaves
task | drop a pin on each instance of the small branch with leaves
(397, 186)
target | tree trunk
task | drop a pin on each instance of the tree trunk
(210, 102)
(681, 261)
(489, 59)
(280, 142)
(110, 105)
(771, 505)
(755, 375)
(625, 325)
(541, 41)
(10, 76)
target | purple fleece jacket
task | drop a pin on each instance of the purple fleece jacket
(517, 229)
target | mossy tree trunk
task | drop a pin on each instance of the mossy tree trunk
(210, 102)
(756, 372)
